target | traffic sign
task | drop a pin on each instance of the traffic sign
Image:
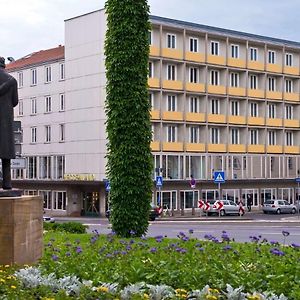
(219, 205)
(159, 181)
(107, 186)
(18, 163)
(298, 179)
(219, 177)
(200, 203)
(206, 206)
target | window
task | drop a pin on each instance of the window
(33, 134)
(234, 51)
(215, 106)
(214, 48)
(214, 77)
(253, 137)
(171, 41)
(150, 37)
(47, 133)
(235, 136)
(61, 132)
(194, 75)
(48, 74)
(253, 109)
(253, 54)
(33, 106)
(61, 71)
(48, 105)
(61, 102)
(289, 86)
(271, 57)
(45, 167)
(171, 134)
(234, 79)
(20, 109)
(172, 103)
(289, 138)
(289, 112)
(271, 111)
(194, 134)
(60, 200)
(194, 105)
(289, 59)
(234, 108)
(272, 84)
(272, 137)
(31, 167)
(47, 199)
(58, 167)
(20, 79)
(151, 100)
(253, 82)
(33, 76)
(150, 71)
(214, 135)
(171, 74)
(193, 44)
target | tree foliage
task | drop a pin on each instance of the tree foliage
(128, 124)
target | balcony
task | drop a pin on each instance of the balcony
(291, 123)
(274, 122)
(172, 116)
(291, 96)
(154, 114)
(216, 60)
(236, 148)
(172, 53)
(176, 147)
(237, 91)
(292, 149)
(256, 148)
(291, 70)
(154, 51)
(195, 56)
(153, 82)
(195, 147)
(274, 95)
(213, 118)
(258, 121)
(195, 87)
(216, 89)
(172, 85)
(155, 146)
(255, 65)
(216, 148)
(237, 120)
(274, 149)
(256, 93)
(236, 62)
(195, 117)
(274, 68)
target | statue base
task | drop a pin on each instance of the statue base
(21, 229)
(10, 193)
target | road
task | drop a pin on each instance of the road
(239, 228)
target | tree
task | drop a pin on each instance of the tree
(128, 125)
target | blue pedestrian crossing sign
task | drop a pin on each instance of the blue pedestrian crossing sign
(298, 179)
(107, 185)
(159, 181)
(219, 177)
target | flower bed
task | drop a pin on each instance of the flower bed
(106, 267)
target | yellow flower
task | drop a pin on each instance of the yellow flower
(146, 296)
(254, 297)
(6, 266)
(211, 297)
(103, 289)
(13, 286)
(2, 280)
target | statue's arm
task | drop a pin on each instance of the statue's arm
(15, 99)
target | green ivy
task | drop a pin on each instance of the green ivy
(128, 124)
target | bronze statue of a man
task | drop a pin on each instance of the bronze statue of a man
(8, 100)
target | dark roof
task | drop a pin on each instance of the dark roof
(223, 31)
(36, 58)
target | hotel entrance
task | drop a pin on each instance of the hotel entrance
(90, 203)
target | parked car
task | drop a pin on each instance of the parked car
(154, 212)
(229, 208)
(279, 206)
(48, 219)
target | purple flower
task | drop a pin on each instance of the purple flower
(227, 247)
(191, 231)
(128, 248)
(277, 252)
(132, 232)
(295, 245)
(54, 257)
(123, 252)
(68, 254)
(109, 255)
(153, 250)
(274, 243)
(198, 245)
(185, 238)
(200, 249)
(78, 250)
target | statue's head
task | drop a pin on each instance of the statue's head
(2, 62)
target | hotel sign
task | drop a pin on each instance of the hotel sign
(81, 177)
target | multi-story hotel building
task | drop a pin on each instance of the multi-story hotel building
(221, 100)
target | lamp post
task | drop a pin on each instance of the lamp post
(193, 186)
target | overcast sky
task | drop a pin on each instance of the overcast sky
(31, 25)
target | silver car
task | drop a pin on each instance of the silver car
(229, 208)
(279, 207)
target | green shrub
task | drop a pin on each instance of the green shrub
(71, 227)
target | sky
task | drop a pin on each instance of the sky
(27, 26)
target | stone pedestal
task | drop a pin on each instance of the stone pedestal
(21, 229)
